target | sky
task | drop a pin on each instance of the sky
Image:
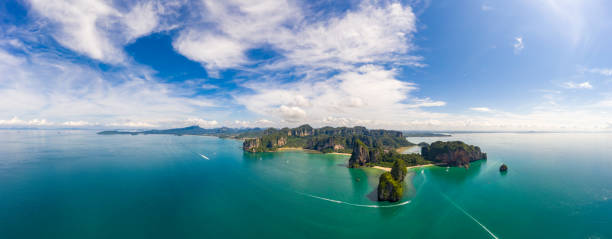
(541, 65)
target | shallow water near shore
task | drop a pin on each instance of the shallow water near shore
(76, 184)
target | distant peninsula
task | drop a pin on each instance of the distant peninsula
(425, 134)
(224, 132)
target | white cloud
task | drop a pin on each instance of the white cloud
(79, 23)
(600, 71)
(132, 124)
(372, 33)
(79, 123)
(141, 20)
(292, 113)
(15, 121)
(369, 92)
(7, 60)
(369, 34)
(97, 28)
(481, 109)
(214, 51)
(605, 103)
(61, 91)
(582, 85)
(201, 122)
(518, 45)
(209, 86)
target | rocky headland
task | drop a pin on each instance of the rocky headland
(452, 153)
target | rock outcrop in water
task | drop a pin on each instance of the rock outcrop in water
(390, 184)
(452, 153)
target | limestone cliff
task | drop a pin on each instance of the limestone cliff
(252, 145)
(325, 139)
(360, 155)
(264, 144)
(302, 131)
(452, 153)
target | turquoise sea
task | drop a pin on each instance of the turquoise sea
(76, 184)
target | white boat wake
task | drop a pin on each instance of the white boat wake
(204, 156)
(470, 216)
(353, 204)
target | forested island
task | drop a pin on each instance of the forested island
(367, 148)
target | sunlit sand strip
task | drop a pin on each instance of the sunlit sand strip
(352, 204)
(416, 166)
(470, 216)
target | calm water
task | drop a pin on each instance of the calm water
(75, 184)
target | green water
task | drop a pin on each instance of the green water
(75, 184)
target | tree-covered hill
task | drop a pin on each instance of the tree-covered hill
(325, 139)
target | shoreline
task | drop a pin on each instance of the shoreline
(401, 150)
(346, 154)
(308, 151)
(290, 149)
(409, 167)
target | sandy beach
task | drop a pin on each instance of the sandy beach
(402, 150)
(289, 149)
(417, 166)
(307, 150)
(347, 154)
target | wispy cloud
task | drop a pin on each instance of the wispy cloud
(15, 121)
(481, 109)
(581, 85)
(97, 28)
(202, 122)
(368, 93)
(485, 7)
(518, 45)
(61, 91)
(370, 34)
(599, 71)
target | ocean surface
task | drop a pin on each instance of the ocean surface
(76, 184)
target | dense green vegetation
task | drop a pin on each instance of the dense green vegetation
(388, 158)
(390, 184)
(326, 139)
(399, 170)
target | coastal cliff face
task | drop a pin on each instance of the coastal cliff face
(263, 144)
(302, 131)
(360, 155)
(325, 139)
(453, 153)
(251, 145)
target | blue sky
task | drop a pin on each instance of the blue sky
(415, 65)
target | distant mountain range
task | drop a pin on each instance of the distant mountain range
(194, 130)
